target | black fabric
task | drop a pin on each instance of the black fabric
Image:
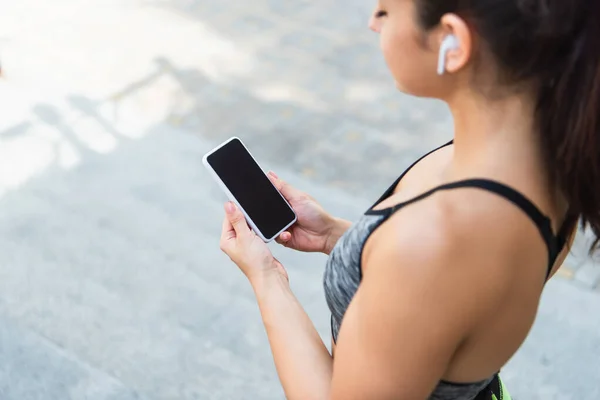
(391, 189)
(554, 244)
(542, 222)
(494, 388)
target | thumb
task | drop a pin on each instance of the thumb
(236, 219)
(287, 190)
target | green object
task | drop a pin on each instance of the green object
(496, 391)
(504, 395)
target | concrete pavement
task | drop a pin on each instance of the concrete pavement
(112, 285)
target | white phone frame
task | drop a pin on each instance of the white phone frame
(234, 200)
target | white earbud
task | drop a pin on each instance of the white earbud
(450, 42)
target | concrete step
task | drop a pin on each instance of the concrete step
(35, 368)
(117, 262)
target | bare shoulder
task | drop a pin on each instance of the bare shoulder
(464, 238)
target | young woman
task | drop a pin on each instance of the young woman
(435, 288)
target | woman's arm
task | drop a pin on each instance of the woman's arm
(430, 277)
(303, 362)
(394, 343)
(407, 319)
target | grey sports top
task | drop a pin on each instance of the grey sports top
(343, 271)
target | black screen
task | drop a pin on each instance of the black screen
(251, 187)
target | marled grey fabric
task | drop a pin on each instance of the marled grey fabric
(342, 271)
(341, 279)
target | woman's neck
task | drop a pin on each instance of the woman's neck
(488, 133)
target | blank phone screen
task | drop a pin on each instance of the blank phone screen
(251, 188)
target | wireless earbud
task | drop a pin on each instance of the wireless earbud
(450, 42)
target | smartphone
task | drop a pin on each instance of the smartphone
(268, 213)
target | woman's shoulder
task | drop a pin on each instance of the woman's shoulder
(464, 236)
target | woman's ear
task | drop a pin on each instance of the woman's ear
(457, 56)
(449, 43)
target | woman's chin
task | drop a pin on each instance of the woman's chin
(416, 92)
(400, 87)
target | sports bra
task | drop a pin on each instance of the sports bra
(343, 271)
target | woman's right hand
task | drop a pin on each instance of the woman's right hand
(315, 230)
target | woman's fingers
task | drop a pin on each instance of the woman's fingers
(287, 190)
(284, 238)
(237, 220)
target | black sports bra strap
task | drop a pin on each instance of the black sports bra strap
(391, 189)
(542, 222)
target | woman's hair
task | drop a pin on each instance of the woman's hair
(554, 44)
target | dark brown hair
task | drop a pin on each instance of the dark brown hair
(556, 45)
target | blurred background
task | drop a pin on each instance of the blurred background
(112, 285)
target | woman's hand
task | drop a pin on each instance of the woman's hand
(245, 248)
(315, 230)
